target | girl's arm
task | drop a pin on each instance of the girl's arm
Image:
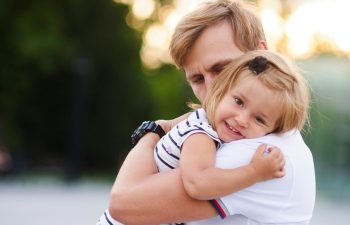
(203, 181)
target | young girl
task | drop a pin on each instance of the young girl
(257, 94)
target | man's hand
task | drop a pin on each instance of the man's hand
(168, 124)
(165, 124)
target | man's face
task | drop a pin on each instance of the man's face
(214, 49)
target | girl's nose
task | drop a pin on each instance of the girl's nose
(242, 119)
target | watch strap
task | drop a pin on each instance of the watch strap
(145, 127)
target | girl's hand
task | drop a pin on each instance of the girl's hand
(268, 163)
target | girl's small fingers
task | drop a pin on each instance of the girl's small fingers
(280, 174)
(261, 149)
(283, 163)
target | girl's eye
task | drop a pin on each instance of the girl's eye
(238, 101)
(260, 120)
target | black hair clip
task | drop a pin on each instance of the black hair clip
(258, 64)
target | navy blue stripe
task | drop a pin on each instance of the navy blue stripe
(162, 160)
(212, 202)
(197, 114)
(188, 132)
(215, 139)
(200, 128)
(172, 155)
(174, 142)
(110, 223)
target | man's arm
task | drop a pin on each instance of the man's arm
(142, 196)
(140, 162)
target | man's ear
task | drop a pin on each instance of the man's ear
(263, 45)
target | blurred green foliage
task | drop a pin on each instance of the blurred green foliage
(72, 87)
(329, 136)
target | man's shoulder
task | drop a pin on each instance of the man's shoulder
(292, 136)
(291, 143)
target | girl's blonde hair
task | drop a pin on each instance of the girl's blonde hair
(277, 74)
(246, 27)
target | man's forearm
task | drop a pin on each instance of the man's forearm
(139, 196)
(138, 164)
(159, 198)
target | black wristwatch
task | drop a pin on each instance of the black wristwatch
(145, 127)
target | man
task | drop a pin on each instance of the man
(203, 43)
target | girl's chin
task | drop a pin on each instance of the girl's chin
(227, 139)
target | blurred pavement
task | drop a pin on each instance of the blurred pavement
(56, 203)
(52, 203)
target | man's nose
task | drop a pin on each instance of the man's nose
(209, 81)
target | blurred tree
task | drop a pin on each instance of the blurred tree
(330, 122)
(72, 87)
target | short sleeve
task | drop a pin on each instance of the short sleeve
(197, 122)
(106, 219)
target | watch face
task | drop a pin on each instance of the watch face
(147, 126)
(139, 132)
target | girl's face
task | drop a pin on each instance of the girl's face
(248, 110)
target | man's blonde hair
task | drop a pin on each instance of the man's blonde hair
(280, 76)
(246, 27)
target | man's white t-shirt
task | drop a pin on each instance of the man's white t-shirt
(289, 200)
(284, 201)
